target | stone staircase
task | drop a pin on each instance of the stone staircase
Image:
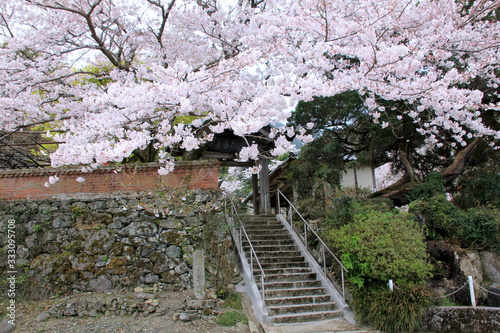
(291, 289)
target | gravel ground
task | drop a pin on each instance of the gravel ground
(165, 319)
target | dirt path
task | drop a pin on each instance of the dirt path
(165, 312)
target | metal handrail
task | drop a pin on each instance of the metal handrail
(307, 227)
(238, 237)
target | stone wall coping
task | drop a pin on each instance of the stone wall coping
(9, 173)
(466, 308)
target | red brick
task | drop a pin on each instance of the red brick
(21, 184)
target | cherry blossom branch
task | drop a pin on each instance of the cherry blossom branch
(479, 9)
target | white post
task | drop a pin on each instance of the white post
(471, 289)
(265, 201)
(391, 285)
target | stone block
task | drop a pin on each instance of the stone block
(199, 274)
(200, 304)
(6, 327)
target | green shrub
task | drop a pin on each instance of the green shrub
(231, 318)
(479, 227)
(480, 190)
(380, 246)
(440, 215)
(341, 212)
(311, 208)
(396, 311)
(433, 185)
(345, 207)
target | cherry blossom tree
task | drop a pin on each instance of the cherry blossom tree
(109, 77)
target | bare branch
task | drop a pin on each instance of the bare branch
(6, 25)
(165, 12)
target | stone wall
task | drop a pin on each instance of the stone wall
(462, 319)
(108, 242)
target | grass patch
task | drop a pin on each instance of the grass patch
(398, 311)
(233, 300)
(231, 318)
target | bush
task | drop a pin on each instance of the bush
(478, 226)
(433, 185)
(481, 190)
(440, 215)
(481, 227)
(231, 318)
(380, 245)
(396, 311)
(341, 212)
(344, 207)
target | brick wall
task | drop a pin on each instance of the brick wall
(29, 183)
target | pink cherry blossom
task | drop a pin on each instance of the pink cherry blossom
(108, 77)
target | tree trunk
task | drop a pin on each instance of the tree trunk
(405, 159)
(398, 191)
(457, 167)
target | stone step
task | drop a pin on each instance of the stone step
(291, 285)
(271, 248)
(306, 316)
(284, 270)
(266, 230)
(301, 299)
(278, 254)
(281, 265)
(274, 222)
(286, 277)
(269, 237)
(291, 292)
(268, 234)
(301, 308)
(268, 259)
(264, 226)
(269, 242)
(260, 219)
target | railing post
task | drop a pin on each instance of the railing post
(278, 208)
(343, 287)
(324, 257)
(262, 288)
(471, 289)
(251, 262)
(305, 235)
(241, 238)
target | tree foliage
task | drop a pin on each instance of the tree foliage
(480, 189)
(344, 131)
(241, 66)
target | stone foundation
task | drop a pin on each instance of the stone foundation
(107, 243)
(462, 319)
